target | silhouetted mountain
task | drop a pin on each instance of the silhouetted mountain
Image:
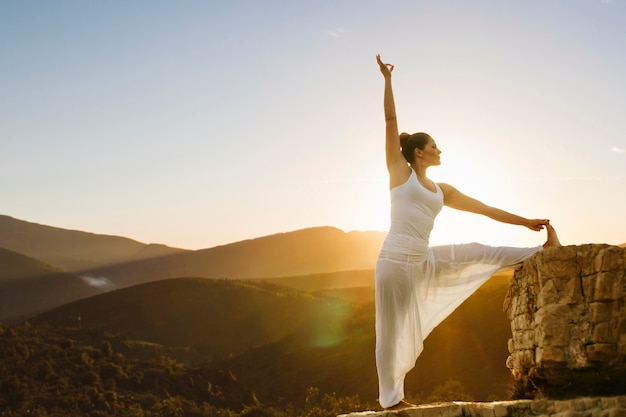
(73, 250)
(28, 286)
(214, 317)
(353, 286)
(301, 252)
(327, 281)
(127, 262)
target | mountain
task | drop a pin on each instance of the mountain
(107, 262)
(127, 262)
(327, 281)
(29, 286)
(353, 286)
(216, 318)
(301, 252)
(73, 250)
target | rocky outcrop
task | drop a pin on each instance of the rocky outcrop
(568, 322)
(578, 407)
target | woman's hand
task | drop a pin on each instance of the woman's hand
(536, 224)
(384, 68)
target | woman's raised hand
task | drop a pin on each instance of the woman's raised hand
(384, 68)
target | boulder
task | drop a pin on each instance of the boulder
(568, 322)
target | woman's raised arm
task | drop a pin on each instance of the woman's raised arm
(396, 164)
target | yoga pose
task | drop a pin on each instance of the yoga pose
(418, 286)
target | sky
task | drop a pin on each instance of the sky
(201, 123)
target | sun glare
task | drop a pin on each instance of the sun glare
(376, 214)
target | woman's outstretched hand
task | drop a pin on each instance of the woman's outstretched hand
(384, 68)
(536, 224)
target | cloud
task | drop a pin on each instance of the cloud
(101, 283)
(617, 149)
(574, 178)
(335, 33)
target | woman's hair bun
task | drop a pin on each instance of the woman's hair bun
(403, 137)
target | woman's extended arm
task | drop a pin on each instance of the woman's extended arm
(455, 199)
(396, 164)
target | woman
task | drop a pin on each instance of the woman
(418, 286)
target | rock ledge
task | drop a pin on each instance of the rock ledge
(576, 407)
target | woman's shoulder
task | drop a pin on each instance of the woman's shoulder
(446, 188)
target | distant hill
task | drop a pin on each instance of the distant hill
(353, 286)
(128, 262)
(217, 318)
(73, 250)
(327, 281)
(29, 286)
(301, 252)
(316, 259)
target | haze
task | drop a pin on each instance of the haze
(196, 124)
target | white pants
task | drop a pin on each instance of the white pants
(416, 292)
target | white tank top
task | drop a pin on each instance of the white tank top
(413, 212)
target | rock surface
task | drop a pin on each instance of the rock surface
(577, 407)
(568, 322)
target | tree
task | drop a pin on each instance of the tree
(452, 390)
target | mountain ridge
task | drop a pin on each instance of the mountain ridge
(301, 252)
(29, 286)
(127, 262)
(70, 250)
(191, 311)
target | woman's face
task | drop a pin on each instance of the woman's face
(430, 155)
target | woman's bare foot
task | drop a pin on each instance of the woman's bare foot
(401, 406)
(553, 239)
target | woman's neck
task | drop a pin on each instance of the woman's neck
(420, 170)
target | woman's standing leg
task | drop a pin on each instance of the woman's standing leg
(398, 336)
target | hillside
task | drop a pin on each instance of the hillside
(317, 259)
(327, 281)
(278, 342)
(55, 372)
(301, 252)
(353, 286)
(215, 318)
(72, 250)
(470, 347)
(126, 262)
(28, 286)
